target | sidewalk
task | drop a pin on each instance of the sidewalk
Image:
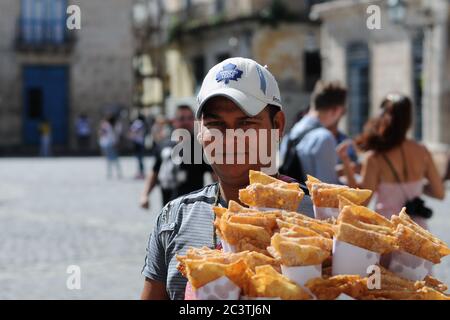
(62, 212)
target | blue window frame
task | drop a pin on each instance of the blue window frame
(358, 84)
(43, 21)
(45, 97)
(418, 84)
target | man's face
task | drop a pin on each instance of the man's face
(184, 119)
(252, 138)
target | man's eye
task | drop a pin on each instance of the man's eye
(248, 123)
(214, 124)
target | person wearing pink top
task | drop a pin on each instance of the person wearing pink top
(397, 169)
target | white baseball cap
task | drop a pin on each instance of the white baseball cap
(244, 81)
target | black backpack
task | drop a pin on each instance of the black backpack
(292, 165)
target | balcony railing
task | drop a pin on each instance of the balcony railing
(203, 13)
(43, 35)
(210, 13)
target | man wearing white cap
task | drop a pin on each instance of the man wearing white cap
(237, 94)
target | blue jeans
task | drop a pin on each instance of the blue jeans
(112, 158)
(139, 152)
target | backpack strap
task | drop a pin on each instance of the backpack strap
(296, 140)
(293, 142)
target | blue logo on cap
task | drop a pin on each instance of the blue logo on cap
(229, 72)
(262, 80)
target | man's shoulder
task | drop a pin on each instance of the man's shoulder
(301, 126)
(206, 194)
(320, 133)
(171, 210)
(309, 127)
(318, 138)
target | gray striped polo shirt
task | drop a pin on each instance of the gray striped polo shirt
(183, 223)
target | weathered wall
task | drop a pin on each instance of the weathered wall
(99, 66)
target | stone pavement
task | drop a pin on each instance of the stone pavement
(60, 212)
(440, 226)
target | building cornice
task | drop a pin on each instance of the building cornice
(323, 10)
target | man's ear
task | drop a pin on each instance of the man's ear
(279, 122)
(199, 133)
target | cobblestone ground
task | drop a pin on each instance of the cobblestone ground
(60, 212)
(440, 226)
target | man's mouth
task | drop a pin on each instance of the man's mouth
(231, 154)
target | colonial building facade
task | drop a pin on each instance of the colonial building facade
(279, 34)
(409, 54)
(52, 73)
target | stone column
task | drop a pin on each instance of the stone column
(435, 66)
(435, 57)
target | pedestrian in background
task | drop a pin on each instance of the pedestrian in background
(310, 148)
(83, 132)
(45, 131)
(340, 138)
(108, 137)
(353, 155)
(176, 179)
(160, 131)
(137, 133)
(399, 170)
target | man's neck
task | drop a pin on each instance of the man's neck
(319, 116)
(230, 192)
